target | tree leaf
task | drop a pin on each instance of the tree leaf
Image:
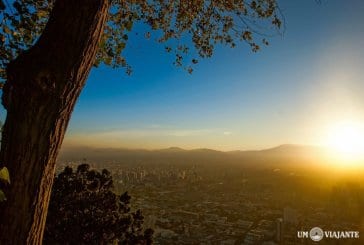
(129, 25)
(4, 175)
(2, 196)
(42, 13)
(7, 30)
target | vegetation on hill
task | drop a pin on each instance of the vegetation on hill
(84, 210)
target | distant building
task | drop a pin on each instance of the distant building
(244, 224)
(253, 237)
(149, 221)
(290, 216)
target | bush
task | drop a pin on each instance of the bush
(84, 210)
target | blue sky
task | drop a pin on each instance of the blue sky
(289, 92)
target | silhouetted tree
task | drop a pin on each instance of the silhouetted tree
(83, 209)
(47, 48)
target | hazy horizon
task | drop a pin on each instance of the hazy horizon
(172, 147)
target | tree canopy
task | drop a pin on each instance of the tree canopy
(205, 23)
(84, 210)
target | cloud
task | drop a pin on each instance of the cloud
(227, 133)
(188, 132)
(143, 133)
(154, 126)
(145, 137)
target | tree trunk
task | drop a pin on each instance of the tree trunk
(40, 93)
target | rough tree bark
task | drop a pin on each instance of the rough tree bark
(40, 93)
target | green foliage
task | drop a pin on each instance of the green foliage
(4, 175)
(4, 178)
(204, 23)
(2, 196)
(84, 210)
(21, 24)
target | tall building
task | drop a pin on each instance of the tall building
(279, 228)
(290, 216)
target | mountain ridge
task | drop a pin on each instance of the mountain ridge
(284, 152)
(281, 147)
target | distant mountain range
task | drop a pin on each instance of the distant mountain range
(283, 154)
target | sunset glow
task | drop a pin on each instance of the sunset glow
(346, 140)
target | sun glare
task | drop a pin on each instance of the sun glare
(346, 140)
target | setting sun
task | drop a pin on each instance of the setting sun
(346, 140)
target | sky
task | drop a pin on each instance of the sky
(292, 91)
